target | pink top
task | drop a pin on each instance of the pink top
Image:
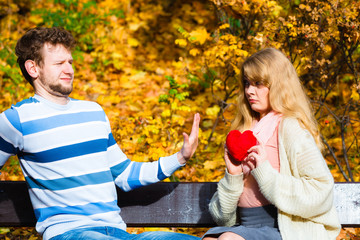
(251, 196)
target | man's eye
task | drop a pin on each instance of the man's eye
(246, 83)
(258, 83)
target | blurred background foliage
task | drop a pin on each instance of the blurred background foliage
(153, 64)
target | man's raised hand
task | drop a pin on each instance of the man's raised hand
(190, 142)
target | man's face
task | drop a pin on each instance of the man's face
(56, 73)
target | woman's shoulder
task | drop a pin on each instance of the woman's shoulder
(291, 130)
(289, 124)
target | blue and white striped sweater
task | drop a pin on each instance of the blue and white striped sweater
(71, 161)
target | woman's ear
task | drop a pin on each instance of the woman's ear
(31, 68)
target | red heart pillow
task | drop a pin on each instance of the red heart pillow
(239, 143)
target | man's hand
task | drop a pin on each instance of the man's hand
(190, 142)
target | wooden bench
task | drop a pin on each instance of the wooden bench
(164, 204)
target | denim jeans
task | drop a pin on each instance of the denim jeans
(110, 233)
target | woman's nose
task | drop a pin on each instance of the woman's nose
(250, 89)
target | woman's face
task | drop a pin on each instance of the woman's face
(257, 95)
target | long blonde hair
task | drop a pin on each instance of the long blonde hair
(286, 94)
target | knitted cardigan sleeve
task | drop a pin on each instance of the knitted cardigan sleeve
(223, 204)
(304, 186)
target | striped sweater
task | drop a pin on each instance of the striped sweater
(71, 163)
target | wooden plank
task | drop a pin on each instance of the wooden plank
(15, 205)
(163, 204)
(168, 204)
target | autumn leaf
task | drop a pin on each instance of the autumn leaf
(199, 35)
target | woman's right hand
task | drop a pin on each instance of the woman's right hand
(234, 167)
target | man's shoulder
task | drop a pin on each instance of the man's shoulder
(12, 114)
(86, 103)
(19, 105)
(24, 102)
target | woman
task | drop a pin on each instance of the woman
(283, 189)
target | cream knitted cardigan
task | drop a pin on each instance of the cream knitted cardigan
(302, 191)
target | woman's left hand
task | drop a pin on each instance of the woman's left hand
(257, 155)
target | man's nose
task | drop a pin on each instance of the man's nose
(69, 68)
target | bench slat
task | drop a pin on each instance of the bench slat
(15, 205)
(168, 204)
(347, 202)
(164, 204)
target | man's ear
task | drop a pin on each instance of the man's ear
(31, 68)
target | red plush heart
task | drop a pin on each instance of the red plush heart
(239, 143)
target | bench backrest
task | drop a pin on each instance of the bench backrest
(164, 204)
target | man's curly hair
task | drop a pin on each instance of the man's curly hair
(29, 46)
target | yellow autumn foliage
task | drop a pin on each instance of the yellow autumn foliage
(127, 49)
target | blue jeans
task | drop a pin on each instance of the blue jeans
(110, 233)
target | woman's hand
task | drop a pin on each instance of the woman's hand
(234, 167)
(257, 155)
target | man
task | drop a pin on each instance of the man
(67, 152)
